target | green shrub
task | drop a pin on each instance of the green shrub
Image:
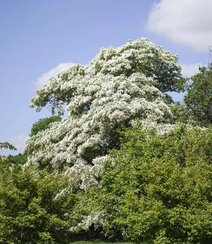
(30, 211)
(157, 189)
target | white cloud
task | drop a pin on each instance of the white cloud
(52, 73)
(189, 70)
(186, 22)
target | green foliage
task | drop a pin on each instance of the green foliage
(5, 145)
(157, 189)
(43, 124)
(30, 209)
(183, 114)
(13, 163)
(199, 95)
(19, 159)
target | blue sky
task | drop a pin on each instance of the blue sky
(42, 38)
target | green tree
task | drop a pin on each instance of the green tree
(43, 124)
(199, 95)
(32, 208)
(157, 188)
(183, 114)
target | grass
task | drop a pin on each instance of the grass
(98, 242)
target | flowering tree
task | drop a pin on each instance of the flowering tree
(117, 87)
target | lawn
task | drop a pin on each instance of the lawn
(98, 242)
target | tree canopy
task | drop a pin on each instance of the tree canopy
(199, 95)
(43, 124)
(117, 87)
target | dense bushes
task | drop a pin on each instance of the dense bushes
(157, 188)
(30, 211)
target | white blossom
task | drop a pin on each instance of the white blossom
(117, 87)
